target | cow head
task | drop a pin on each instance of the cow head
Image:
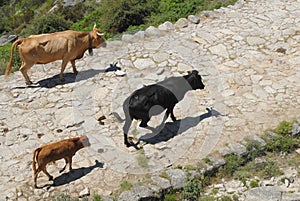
(194, 80)
(97, 38)
(85, 141)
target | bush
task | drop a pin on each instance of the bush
(118, 15)
(255, 149)
(232, 163)
(284, 128)
(48, 23)
(192, 189)
(281, 143)
(5, 56)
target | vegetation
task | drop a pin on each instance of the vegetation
(29, 17)
(263, 162)
(5, 56)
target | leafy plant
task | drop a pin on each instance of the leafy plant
(118, 15)
(232, 162)
(125, 185)
(282, 143)
(255, 149)
(284, 128)
(142, 160)
(5, 57)
(171, 197)
(254, 184)
(192, 189)
(47, 23)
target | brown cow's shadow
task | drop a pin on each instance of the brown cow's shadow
(69, 78)
(169, 130)
(54, 81)
(73, 175)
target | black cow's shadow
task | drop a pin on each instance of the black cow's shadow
(169, 130)
(73, 175)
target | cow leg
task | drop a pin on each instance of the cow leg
(126, 127)
(74, 67)
(35, 176)
(170, 111)
(63, 67)
(47, 173)
(63, 169)
(24, 68)
(128, 121)
(70, 163)
(144, 122)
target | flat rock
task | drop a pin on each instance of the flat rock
(178, 178)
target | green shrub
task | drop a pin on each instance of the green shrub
(282, 143)
(97, 198)
(118, 15)
(284, 128)
(142, 160)
(125, 186)
(232, 163)
(207, 198)
(192, 189)
(47, 23)
(5, 57)
(254, 184)
(255, 149)
(171, 197)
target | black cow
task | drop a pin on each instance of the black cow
(153, 99)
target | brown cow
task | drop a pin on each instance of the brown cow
(44, 48)
(52, 152)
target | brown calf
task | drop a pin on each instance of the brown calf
(52, 152)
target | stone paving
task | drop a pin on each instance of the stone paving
(249, 58)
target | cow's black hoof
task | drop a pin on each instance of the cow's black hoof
(51, 178)
(143, 125)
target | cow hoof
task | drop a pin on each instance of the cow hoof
(51, 178)
(62, 79)
(143, 125)
(75, 72)
(28, 82)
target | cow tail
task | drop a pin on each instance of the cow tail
(118, 117)
(9, 65)
(35, 156)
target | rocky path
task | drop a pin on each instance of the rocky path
(248, 55)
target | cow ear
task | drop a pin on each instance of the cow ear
(195, 72)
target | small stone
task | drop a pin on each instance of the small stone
(120, 73)
(181, 23)
(127, 37)
(219, 50)
(84, 192)
(152, 31)
(255, 40)
(166, 26)
(295, 129)
(178, 178)
(194, 19)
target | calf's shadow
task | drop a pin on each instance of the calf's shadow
(166, 131)
(75, 174)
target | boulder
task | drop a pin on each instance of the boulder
(7, 39)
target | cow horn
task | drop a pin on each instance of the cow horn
(94, 26)
(100, 34)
